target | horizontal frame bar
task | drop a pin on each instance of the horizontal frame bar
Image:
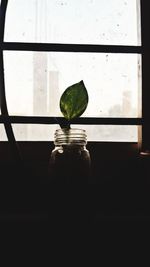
(47, 47)
(82, 120)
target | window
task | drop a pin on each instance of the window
(56, 43)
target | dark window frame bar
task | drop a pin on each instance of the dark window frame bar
(81, 120)
(145, 22)
(3, 103)
(61, 47)
(43, 47)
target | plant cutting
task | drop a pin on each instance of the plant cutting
(73, 103)
(70, 159)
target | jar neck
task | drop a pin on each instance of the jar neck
(70, 137)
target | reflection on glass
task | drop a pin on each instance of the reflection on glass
(33, 132)
(74, 21)
(35, 82)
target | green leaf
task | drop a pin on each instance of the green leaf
(74, 100)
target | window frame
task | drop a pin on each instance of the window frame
(51, 47)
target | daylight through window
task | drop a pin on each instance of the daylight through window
(35, 80)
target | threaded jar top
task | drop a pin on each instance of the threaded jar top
(72, 136)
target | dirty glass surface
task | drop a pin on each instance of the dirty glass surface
(115, 133)
(35, 81)
(74, 21)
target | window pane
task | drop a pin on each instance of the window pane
(108, 133)
(35, 82)
(33, 132)
(3, 136)
(74, 21)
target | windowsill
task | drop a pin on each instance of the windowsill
(108, 159)
(118, 190)
(41, 150)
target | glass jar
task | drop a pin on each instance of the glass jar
(70, 161)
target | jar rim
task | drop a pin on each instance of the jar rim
(71, 135)
(65, 130)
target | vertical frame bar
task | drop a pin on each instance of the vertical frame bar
(3, 103)
(145, 24)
